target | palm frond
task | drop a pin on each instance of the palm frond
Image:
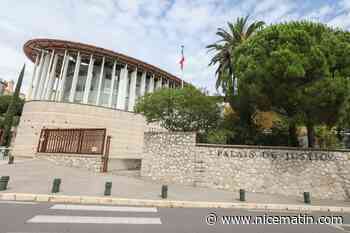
(236, 34)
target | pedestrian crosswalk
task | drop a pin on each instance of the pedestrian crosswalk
(124, 215)
(343, 227)
(93, 220)
(103, 208)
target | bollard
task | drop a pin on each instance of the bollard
(307, 198)
(11, 158)
(164, 191)
(108, 188)
(3, 182)
(242, 195)
(56, 185)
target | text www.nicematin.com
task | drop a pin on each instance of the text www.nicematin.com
(213, 219)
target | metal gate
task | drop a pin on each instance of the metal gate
(73, 141)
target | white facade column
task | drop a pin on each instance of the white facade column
(110, 98)
(151, 84)
(38, 75)
(132, 93)
(159, 83)
(122, 88)
(143, 84)
(30, 90)
(50, 84)
(47, 76)
(43, 77)
(62, 78)
(100, 82)
(75, 79)
(88, 80)
(167, 83)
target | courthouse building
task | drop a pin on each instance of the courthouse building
(78, 95)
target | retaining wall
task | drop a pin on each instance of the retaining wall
(176, 158)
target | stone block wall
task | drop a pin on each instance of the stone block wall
(87, 162)
(176, 158)
(169, 157)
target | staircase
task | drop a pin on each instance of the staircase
(199, 170)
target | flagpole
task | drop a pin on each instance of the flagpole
(182, 78)
(182, 66)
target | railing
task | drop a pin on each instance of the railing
(72, 141)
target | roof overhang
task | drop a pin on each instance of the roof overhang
(33, 47)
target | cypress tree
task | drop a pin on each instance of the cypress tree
(11, 110)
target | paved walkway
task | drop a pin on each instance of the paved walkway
(36, 176)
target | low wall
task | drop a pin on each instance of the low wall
(87, 162)
(176, 158)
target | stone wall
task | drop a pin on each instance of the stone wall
(87, 162)
(176, 158)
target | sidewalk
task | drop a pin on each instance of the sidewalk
(36, 176)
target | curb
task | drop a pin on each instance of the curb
(166, 203)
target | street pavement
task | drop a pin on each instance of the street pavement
(36, 176)
(33, 217)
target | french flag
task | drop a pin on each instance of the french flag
(182, 61)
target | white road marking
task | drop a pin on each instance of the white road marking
(104, 208)
(92, 220)
(336, 227)
(18, 202)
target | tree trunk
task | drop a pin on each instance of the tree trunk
(310, 134)
(293, 137)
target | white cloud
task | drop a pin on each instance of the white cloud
(151, 30)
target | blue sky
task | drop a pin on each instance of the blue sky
(150, 30)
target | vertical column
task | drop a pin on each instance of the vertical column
(132, 93)
(75, 79)
(159, 83)
(33, 77)
(38, 75)
(151, 84)
(110, 98)
(100, 82)
(167, 83)
(143, 84)
(88, 80)
(123, 84)
(48, 92)
(42, 77)
(47, 76)
(62, 78)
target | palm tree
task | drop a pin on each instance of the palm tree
(229, 40)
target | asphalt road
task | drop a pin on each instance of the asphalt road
(54, 218)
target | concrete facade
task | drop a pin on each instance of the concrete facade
(176, 158)
(126, 128)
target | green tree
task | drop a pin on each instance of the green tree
(297, 69)
(11, 110)
(5, 102)
(238, 32)
(186, 109)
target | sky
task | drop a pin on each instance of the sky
(150, 30)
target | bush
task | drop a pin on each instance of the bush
(185, 109)
(327, 138)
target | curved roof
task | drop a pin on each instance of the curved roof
(32, 47)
